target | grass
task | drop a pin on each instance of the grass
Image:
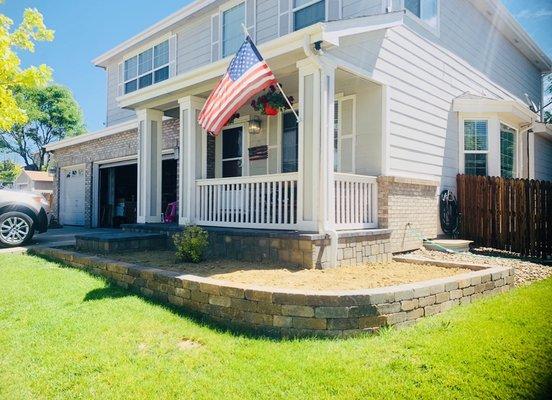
(66, 334)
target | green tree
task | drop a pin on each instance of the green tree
(24, 37)
(53, 114)
(9, 171)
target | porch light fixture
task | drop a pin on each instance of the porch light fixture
(176, 152)
(255, 125)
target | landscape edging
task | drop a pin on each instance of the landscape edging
(294, 312)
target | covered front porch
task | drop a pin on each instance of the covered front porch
(317, 174)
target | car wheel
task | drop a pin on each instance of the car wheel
(16, 228)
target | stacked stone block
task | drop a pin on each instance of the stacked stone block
(295, 313)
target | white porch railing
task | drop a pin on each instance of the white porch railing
(356, 199)
(264, 201)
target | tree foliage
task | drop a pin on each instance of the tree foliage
(9, 171)
(52, 114)
(12, 75)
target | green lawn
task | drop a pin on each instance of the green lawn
(66, 334)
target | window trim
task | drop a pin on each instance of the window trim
(436, 30)
(310, 3)
(461, 142)
(153, 69)
(222, 9)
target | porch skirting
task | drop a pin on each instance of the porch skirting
(306, 250)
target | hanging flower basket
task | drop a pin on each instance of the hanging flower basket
(269, 110)
(271, 102)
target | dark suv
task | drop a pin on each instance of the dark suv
(21, 215)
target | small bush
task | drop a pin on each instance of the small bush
(191, 244)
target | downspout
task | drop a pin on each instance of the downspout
(326, 227)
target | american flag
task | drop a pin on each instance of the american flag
(247, 75)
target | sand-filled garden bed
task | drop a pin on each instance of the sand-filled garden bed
(343, 278)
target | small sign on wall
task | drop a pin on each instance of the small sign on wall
(258, 153)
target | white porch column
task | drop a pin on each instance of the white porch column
(316, 148)
(192, 153)
(149, 165)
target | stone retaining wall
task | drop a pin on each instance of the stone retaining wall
(295, 313)
(305, 250)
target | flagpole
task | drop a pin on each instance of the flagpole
(278, 85)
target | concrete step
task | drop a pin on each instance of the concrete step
(119, 241)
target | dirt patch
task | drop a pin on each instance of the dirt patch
(343, 278)
(526, 271)
(187, 344)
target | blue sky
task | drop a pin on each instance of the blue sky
(87, 28)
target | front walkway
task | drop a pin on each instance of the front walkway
(56, 237)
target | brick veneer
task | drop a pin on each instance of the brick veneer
(409, 207)
(123, 144)
(287, 312)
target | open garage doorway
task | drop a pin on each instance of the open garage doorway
(118, 195)
(118, 189)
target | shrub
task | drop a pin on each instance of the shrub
(191, 244)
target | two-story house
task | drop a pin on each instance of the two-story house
(395, 98)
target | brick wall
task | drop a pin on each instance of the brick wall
(409, 207)
(123, 144)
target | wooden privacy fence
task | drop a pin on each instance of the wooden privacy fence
(507, 214)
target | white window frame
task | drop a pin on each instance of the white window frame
(310, 3)
(340, 98)
(516, 150)
(222, 9)
(461, 143)
(152, 71)
(433, 29)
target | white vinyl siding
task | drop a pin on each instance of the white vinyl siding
(542, 158)
(424, 74)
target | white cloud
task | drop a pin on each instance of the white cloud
(534, 13)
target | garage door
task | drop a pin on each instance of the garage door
(71, 206)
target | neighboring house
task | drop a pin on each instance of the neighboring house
(35, 181)
(395, 97)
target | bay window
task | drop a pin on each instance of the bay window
(149, 67)
(308, 12)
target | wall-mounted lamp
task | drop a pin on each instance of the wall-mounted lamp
(255, 125)
(176, 152)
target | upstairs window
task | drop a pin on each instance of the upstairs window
(507, 151)
(145, 69)
(426, 10)
(475, 147)
(308, 12)
(232, 31)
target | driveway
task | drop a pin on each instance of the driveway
(56, 237)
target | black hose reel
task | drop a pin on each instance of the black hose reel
(448, 213)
